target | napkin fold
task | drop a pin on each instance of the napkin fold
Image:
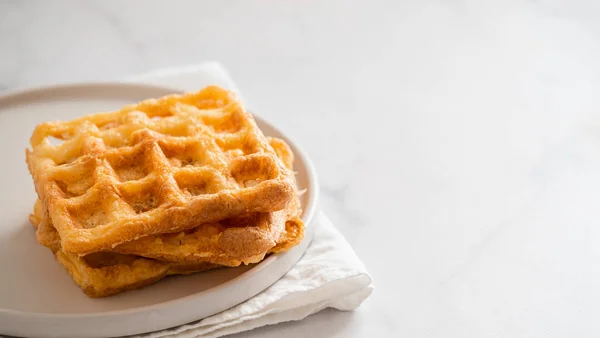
(329, 274)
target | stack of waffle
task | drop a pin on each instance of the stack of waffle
(174, 185)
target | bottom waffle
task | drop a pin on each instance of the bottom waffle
(103, 274)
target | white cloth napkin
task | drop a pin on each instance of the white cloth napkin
(329, 274)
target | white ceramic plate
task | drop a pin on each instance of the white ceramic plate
(38, 298)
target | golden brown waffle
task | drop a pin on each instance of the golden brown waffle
(231, 242)
(163, 165)
(106, 273)
(103, 274)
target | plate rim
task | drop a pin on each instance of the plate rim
(308, 211)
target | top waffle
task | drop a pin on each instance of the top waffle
(163, 165)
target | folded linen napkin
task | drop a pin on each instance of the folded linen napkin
(329, 274)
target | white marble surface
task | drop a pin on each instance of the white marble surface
(458, 142)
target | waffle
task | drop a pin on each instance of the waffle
(239, 240)
(161, 166)
(230, 242)
(106, 273)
